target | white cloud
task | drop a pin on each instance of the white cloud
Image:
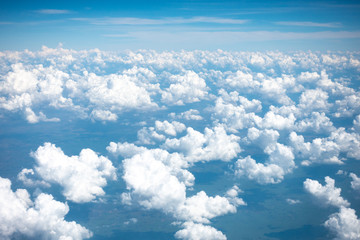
(318, 122)
(124, 149)
(234, 97)
(356, 123)
(196, 231)
(103, 115)
(276, 89)
(185, 88)
(279, 163)
(214, 144)
(310, 77)
(327, 194)
(320, 150)
(292, 201)
(148, 135)
(348, 143)
(345, 224)
(116, 92)
(355, 183)
(53, 11)
(158, 180)
(168, 20)
(131, 221)
(281, 155)
(263, 138)
(272, 120)
(232, 196)
(240, 79)
(263, 174)
(31, 117)
(191, 114)
(82, 177)
(154, 183)
(234, 115)
(314, 100)
(22, 176)
(348, 106)
(200, 208)
(310, 24)
(170, 128)
(42, 218)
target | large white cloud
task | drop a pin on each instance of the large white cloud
(263, 174)
(318, 122)
(41, 219)
(279, 163)
(234, 115)
(82, 177)
(158, 180)
(328, 194)
(185, 88)
(169, 128)
(348, 143)
(345, 224)
(314, 100)
(320, 150)
(214, 144)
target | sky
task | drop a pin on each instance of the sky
(176, 25)
(191, 120)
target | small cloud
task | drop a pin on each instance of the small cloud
(53, 11)
(292, 201)
(131, 221)
(310, 24)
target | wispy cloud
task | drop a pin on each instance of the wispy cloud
(225, 36)
(311, 24)
(53, 11)
(161, 21)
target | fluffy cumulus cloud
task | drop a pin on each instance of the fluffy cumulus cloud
(214, 144)
(82, 177)
(320, 150)
(355, 183)
(157, 179)
(344, 224)
(40, 219)
(318, 122)
(191, 114)
(349, 143)
(234, 114)
(169, 128)
(280, 158)
(328, 194)
(263, 174)
(197, 231)
(185, 88)
(314, 100)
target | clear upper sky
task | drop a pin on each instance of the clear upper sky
(175, 25)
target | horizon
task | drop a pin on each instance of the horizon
(175, 25)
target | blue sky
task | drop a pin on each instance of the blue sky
(175, 25)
